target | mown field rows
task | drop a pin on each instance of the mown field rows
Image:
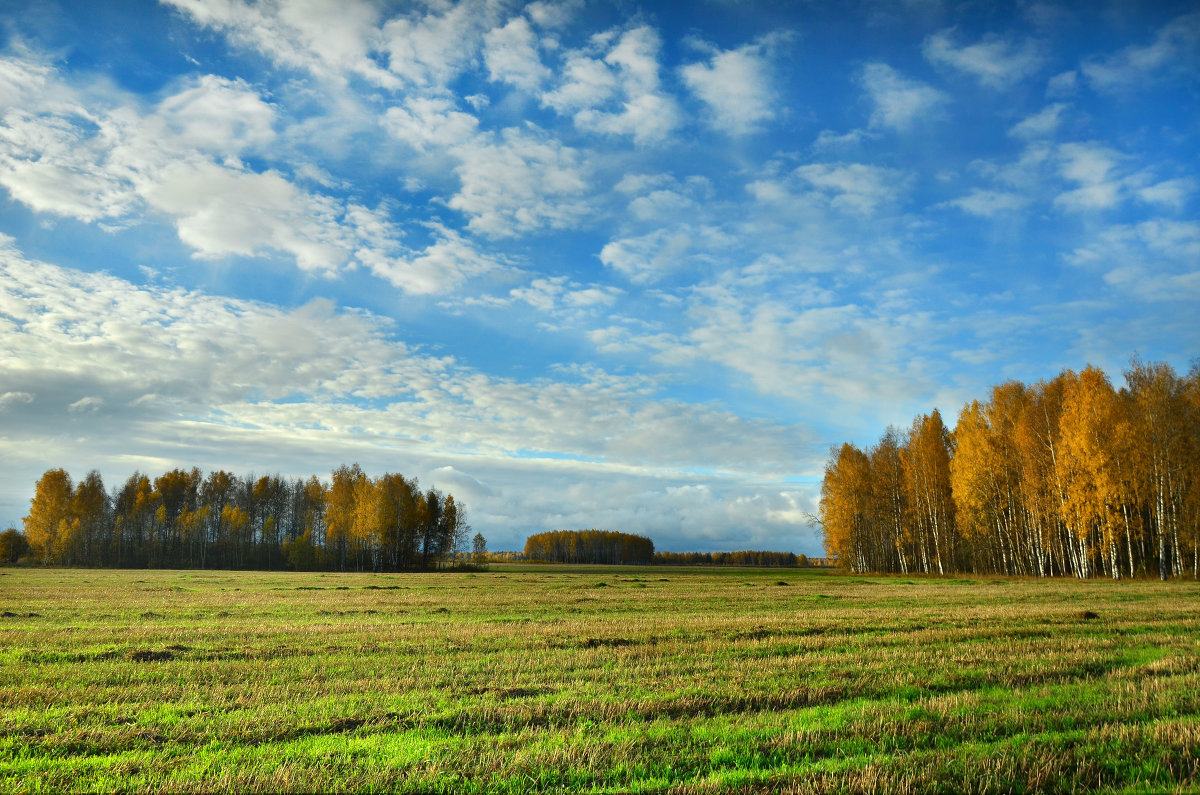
(594, 679)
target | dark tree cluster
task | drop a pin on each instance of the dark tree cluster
(748, 557)
(185, 519)
(1063, 477)
(589, 546)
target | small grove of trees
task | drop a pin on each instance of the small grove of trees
(589, 546)
(1063, 477)
(184, 519)
(742, 558)
(13, 546)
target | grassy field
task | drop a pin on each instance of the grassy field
(594, 679)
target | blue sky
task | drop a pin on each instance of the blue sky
(633, 266)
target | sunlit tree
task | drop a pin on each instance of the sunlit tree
(845, 507)
(49, 515)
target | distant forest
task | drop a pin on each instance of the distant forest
(746, 557)
(609, 547)
(1063, 477)
(183, 519)
(589, 546)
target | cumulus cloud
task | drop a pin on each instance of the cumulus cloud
(511, 56)
(845, 352)
(12, 398)
(222, 212)
(989, 203)
(444, 264)
(1042, 124)
(218, 115)
(736, 87)
(899, 102)
(519, 181)
(435, 47)
(1092, 167)
(70, 154)
(425, 122)
(854, 187)
(1154, 260)
(553, 13)
(337, 41)
(86, 405)
(995, 62)
(558, 294)
(1063, 84)
(1175, 45)
(647, 258)
(327, 39)
(233, 363)
(1172, 193)
(615, 89)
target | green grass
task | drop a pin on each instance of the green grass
(596, 679)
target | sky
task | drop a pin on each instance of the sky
(618, 265)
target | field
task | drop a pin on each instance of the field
(594, 679)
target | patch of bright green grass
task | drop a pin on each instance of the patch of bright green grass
(594, 679)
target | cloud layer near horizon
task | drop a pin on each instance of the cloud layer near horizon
(589, 270)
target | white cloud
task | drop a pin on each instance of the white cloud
(586, 81)
(854, 187)
(335, 41)
(218, 115)
(58, 165)
(1172, 192)
(221, 212)
(993, 61)
(233, 361)
(86, 405)
(900, 102)
(1161, 244)
(95, 158)
(511, 183)
(596, 296)
(11, 398)
(55, 153)
(1042, 124)
(1062, 84)
(558, 295)
(553, 14)
(829, 140)
(989, 203)
(425, 122)
(461, 483)
(441, 266)
(845, 352)
(1087, 163)
(511, 56)
(329, 40)
(1175, 45)
(21, 77)
(620, 93)
(518, 182)
(736, 87)
(1155, 260)
(647, 258)
(1092, 167)
(434, 48)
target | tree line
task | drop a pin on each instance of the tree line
(589, 546)
(746, 557)
(1069, 476)
(184, 519)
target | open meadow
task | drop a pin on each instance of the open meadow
(600, 679)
